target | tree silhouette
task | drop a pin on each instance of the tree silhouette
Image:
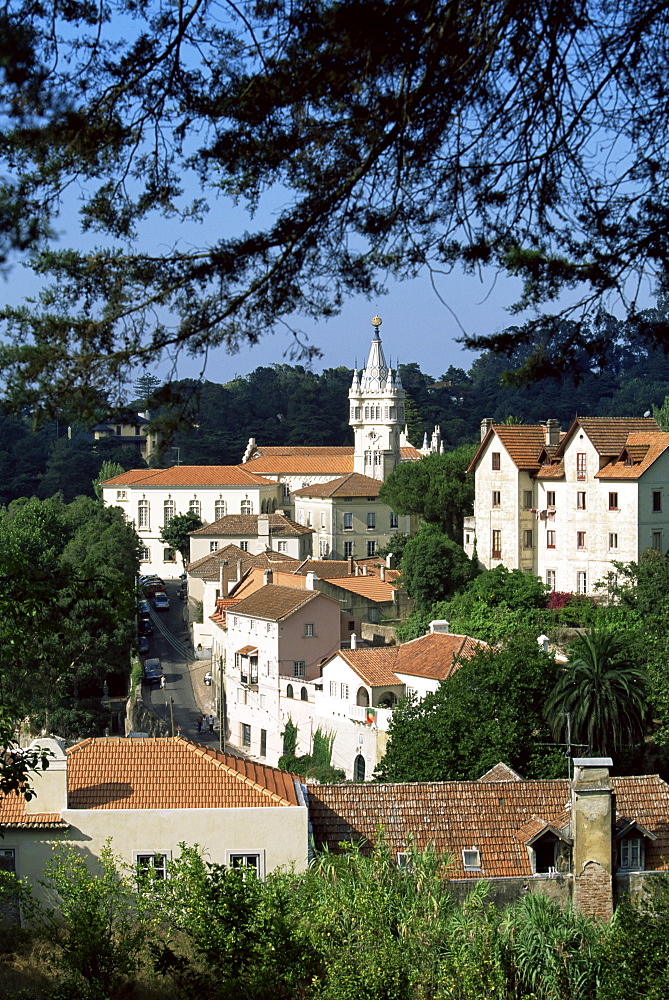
(602, 691)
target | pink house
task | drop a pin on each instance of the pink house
(276, 640)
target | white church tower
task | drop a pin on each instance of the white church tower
(377, 413)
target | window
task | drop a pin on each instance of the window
(151, 865)
(169, 555)
(496, 498)
(471, 859)
(613, 540)
(252, 863)
(527, 538)
(496, 464)
(121, 495)
(263, 742)
(262, 700)
(244, 546)
(527, 499)
(220, 509)
(213, 546)
(309, 629)
(580, 501)
(322, 519)
(359, 768)
(333, 689)
(371, 520)
(299, 668)
(246, 734)
(304, 696)
(657, 500)
(581, 582)
(368, 458)
(613, 501)
(348, 522)
(550, 539)
(195, 507)
(241, 696)
(581, 466)
(323, 548)
(168, 512)
(143, 514)
(344, 692)
(286, 491)
(289, 691)
(246, 507)
(144, 554)
(580, 540)
(394, 520)
(656, 541)
(496, 544)
(282, 546)
(550, 579)
(550, 498)
(632, 853)
(348, 550)
(371, 548)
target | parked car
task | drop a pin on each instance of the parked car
(144, 609)
(153, 587)
(145, 626)
(153, 670)
(143, 645)
(161, 601)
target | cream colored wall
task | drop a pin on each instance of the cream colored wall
(505, 518)
(334, 535)
(200, 545)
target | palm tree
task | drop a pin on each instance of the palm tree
(605, 694)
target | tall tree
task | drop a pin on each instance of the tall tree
(602, 692)
(176, 534)
(433, 566)
(527, 137)
(437, 489)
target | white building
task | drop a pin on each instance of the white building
(151, 497)
(253, 533)
(567, 506)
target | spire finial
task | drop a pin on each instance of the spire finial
(376, 323)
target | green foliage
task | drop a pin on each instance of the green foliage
(289, 737)
(433, 566)
(605, 695)
(318, 764)
(634, 954)
(489, 711)
(100, 927)
(176, 533)
(108, 470)
(437, 489)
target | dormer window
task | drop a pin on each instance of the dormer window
(471, 859)
(632, 854)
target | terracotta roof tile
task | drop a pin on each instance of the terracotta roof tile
(297, 460)
(501, 772)
(643, 449)
(370, 587)
(190, 475)
(495, 817)
(275, 602)
(523, 442)
(609, 434)
(170, 774)
(435, 656)
(13, 814)
(209, 566)
(409, 453)
(353, 485)
(247, 524)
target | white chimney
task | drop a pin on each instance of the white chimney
(310, 583)
(543, 643)
(354, 641)
(382, 573)
(440, 625)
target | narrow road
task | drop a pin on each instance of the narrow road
(171, 643)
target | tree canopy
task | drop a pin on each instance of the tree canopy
(433, 566)
(365, 139)
(176, 534)
(437, 488)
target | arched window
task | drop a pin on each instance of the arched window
(387, 700)
(362, 697)
(289, 691)
(303, 694)
(263, 507)
(359, 768)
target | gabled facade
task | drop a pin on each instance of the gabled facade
(151, 497)
(567, 506)
(253, 533)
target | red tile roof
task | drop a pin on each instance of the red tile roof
(370, 587)
(608, 434)
(275, 602)
(353, 485)
(190, 475)
(13, 814)
(301, 460)
(496, 817)
(170, 774)
(247, 524)
(643, 449)
(435, 656)
(523, 442)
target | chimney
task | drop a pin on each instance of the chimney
(223, 575)
(440, 625)
(250, 448)
(310, 582)
(543, 643)
(268, 576)
(351, 565)
(486, 424)
(592, 819)
(49, 784)
(382, 573)
(354, 641)
(552, 433)
(263, 532)
(364, 570)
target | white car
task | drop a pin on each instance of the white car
(161, 601)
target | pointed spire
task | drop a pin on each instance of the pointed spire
(375, 373)
(355, 384)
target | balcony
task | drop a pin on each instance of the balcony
(379, 717)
